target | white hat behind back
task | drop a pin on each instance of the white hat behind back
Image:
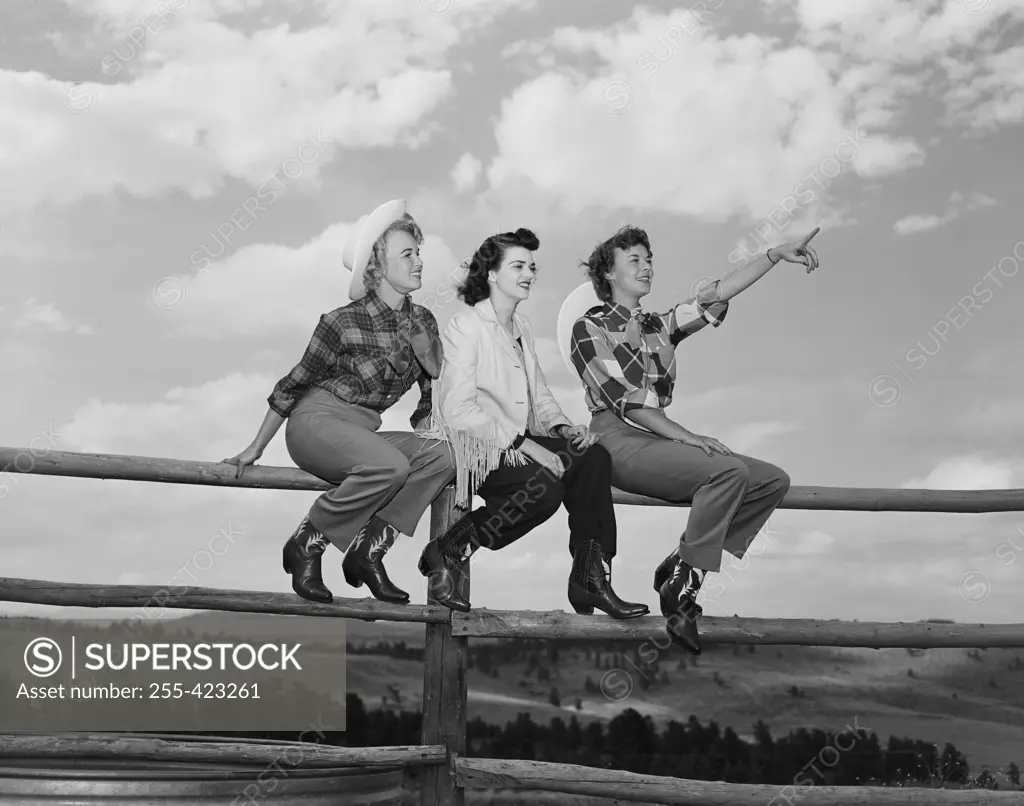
(359, 244)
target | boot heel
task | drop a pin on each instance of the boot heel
(285, 562)
(583, 609)
(354, 581)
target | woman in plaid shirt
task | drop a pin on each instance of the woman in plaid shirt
(626, 360)
(361, 359)
(513, 445)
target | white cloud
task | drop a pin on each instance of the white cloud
(636, 132)
(912, 224)
(955, 207)
(640, 127)
(269, 288)
(38, 315)
(466, 172)
(204, 102)
(968, 473)
(749, 437)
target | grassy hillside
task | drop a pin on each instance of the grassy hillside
(974, 699)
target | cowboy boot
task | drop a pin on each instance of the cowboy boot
(679, 605)
(302, 555)
(664, 571)
(364, 561)
(443, 561)
(590, 585)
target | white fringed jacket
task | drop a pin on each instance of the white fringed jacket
(481, 402)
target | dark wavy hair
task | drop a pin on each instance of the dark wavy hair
(475, 288)
(602, 259)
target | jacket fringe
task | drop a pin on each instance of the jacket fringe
(475, 456)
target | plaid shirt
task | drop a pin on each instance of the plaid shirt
(627, 359)
(348, 356)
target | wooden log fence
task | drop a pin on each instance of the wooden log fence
(448, 772)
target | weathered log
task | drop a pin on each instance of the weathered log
(479, 773)
(186, 471)
(203, 750)
(152, 597)
(557, 624)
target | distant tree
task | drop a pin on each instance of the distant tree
(579, 704)
(1013, 773)
(554, 698)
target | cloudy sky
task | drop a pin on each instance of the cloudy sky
(179, 178)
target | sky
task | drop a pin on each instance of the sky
(180, 176)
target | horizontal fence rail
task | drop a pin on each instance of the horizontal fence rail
(559, 625)
(549, 625)
(183, 471)
(79, 594)
(207, 750)
(486, 773)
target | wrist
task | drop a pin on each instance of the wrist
(768, 254)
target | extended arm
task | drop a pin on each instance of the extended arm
(314, 365)
(741, 279)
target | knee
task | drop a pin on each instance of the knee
(781, 480)
(437, 456)
(548, 498)
(397, 470)
(735, 471)
(596, 456)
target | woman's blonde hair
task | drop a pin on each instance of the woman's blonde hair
(378, 255)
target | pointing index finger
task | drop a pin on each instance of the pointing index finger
(814, 232)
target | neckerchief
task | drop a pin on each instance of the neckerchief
(425, 346)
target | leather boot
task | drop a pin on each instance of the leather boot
(679, 606)
(364, 561)
(443, 561)
(663, 571)
(301, 556)
(590, 585)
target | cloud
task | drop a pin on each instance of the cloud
(955, 207)
(263, 289)
(624, 133)
(466, 172)
(44, 316)
(749, 437)
(968, 473)
(201, 102)
(625, 117)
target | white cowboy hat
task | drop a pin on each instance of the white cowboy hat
(576, 304)
(356, 252)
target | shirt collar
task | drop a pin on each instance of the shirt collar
(618, 315)
(380, 312)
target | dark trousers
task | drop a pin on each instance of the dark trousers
(520, 498)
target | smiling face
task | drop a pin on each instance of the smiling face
(403, 268)
(632, 273)
(517, 273)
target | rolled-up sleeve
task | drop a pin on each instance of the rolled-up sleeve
(316, 364)
(695, 314)
(610, 371)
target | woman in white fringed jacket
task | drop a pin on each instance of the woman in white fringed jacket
(512, 444)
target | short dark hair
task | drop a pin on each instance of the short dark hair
(475, 288)
(602, 259)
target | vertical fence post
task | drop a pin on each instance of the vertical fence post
(444, 682)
